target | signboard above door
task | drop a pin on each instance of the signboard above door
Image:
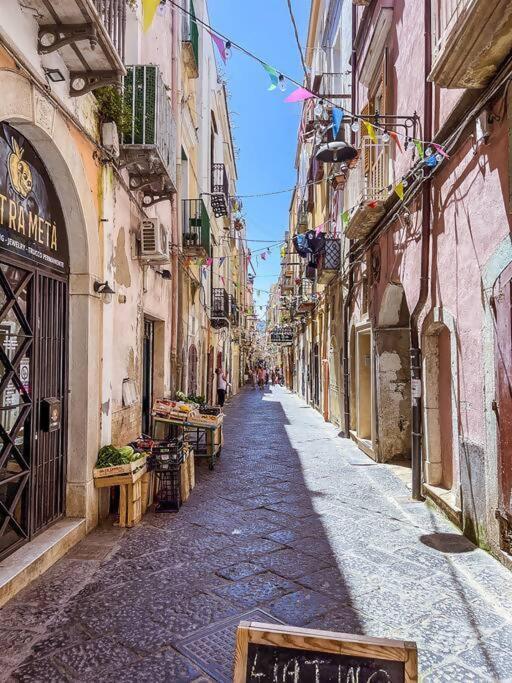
(31, 219)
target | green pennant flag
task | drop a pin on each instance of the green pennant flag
(419, 147)
(274, 76)
(345, 217)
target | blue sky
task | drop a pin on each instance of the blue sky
(264, 127)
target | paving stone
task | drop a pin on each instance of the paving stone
(39, 671)
(87, 658)
(256, 590)
(160, 668)
(300, 607)
(240, 571)
(291, 564)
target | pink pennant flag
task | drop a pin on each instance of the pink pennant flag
(209, 261)
(299, 95)
(318, 229)
(440, 149)
(221, 45)
(264, 255)
(222, 280)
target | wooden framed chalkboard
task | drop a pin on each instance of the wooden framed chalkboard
(270, 653)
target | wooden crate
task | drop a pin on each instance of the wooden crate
(129, 468)
(184, 481)
(146, 491)
(120, 479)
(130, 504)
(191, 469)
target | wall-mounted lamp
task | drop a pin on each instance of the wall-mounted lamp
(105, 290)
(54, 75)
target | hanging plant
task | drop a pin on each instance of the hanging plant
(112, 107)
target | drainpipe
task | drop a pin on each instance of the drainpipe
(416, 455)
(346, 303)
(175, 229)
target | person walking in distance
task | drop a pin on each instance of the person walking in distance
(222, 385)
(261, 377)
(254, 378)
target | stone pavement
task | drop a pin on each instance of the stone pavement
(294, 522)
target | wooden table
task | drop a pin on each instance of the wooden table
(205, 438)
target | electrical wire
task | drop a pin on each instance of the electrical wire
(299, 46)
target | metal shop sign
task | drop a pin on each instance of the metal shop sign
(281, 336)
(31, 220)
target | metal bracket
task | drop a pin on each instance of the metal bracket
(65, 34)
(151, 199)
(92, 80)
(142, 181)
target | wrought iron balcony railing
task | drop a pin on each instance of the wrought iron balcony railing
(196, 228)
(220, 190)
(190, 40)
(307, 296)
(90, 38)
(329, 262)
(234, 312)
(149, 148)
(220, 309)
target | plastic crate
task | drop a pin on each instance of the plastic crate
(168, 490)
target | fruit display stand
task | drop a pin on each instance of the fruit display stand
(204, 434)
(129, 479)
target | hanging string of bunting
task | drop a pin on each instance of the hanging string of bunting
(225, 47)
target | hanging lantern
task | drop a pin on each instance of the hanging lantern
(332, 152)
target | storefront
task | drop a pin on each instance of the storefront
(34, 267)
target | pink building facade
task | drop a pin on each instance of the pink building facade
(429, 329)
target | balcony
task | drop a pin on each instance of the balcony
(471, 39)
(306, 297)
(196, 228)
(148, 150)
(89, 36)
(220, 311)
(302, 218)
(287, 283)
(329, 263)
(367, 188)
(220, 191)
(190, 40)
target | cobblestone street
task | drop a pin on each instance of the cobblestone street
(294, 525)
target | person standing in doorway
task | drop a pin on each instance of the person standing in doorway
(222, 386)
(261, 377)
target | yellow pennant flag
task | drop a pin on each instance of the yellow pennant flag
(370, 131)
(399, 189)
(148, 12)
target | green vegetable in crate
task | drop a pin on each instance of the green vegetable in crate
(109, 456)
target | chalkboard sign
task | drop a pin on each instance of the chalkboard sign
(269, 653)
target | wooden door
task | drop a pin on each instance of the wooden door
(502, 305)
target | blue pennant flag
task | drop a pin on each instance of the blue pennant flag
(337, 118)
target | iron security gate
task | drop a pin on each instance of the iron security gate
(50, 389)
(33, 324)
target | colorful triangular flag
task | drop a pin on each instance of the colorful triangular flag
(395, 137)
(149, 8)
(419, 147)
(274, 76)
(337, 118)
(440, 149)
(299, 95)
(370, 130)
(221, 45)
(345, 217)
(399, 189)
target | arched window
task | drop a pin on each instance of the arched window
(192, 370)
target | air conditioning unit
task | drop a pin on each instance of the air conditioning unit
(154, 243)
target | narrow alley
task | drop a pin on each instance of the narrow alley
(293, 525)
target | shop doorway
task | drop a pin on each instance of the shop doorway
(316, 376)
(148, 345)
(33, 392)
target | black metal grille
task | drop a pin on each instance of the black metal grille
(220, 190)
(331, 258)
(50, 378)
(220, 307)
